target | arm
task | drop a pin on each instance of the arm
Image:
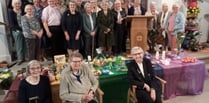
(44, 18)
(79, 27)
(92, 79)
(26, 27)
(13, 20)
(64, 26)
(100, 22)
(131, 76)
(22, 93)
(64, 92)
(85, 25)
(179, 22)
(48, 98)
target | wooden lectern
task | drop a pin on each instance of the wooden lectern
(138, 30)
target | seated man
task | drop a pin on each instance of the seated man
(141, 74)
(77, 82)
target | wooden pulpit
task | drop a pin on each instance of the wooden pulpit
(138, 30)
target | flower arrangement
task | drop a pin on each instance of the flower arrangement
(193, 9)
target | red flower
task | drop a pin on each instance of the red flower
(192, 4)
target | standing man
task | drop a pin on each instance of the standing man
(152, 26)
(141, 74)
(161, 21)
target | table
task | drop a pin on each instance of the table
(183, 78)
(115, 87)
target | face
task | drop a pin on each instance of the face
(175, 8)
(117, 5)
(138, 56)
(29, 10)
(35, 69)
(105, 6)
(17, 5)
(72, 6)
(36, 2)
(93, 3)
(51, 3)
(88, 8)
(165, 8)
(75, 63)
(137, 3)
(78, 2)
(152, 7)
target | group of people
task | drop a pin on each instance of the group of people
(82, 26)
(78, 83)
(165, 26)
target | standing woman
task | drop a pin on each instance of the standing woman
(119, 14)
(51, 18)
(89, 29)
(15, 21)
(174, 25)
(71, 25)
(106, 23)
(38, 9)
(32, 32)
(35, 88)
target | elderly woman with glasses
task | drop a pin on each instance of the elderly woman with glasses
(35, 88)
(77, 82)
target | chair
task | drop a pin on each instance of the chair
(99, 96)
(131, 96)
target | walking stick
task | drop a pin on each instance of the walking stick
(92, 52)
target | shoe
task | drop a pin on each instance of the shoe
(20, 62)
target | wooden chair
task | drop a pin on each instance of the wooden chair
(100, 94)
(131, 96)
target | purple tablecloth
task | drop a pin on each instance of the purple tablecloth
(184, 78)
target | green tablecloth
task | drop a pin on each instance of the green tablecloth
(115, 87)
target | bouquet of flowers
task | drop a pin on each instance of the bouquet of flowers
(193, 9)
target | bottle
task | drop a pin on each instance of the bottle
(157, 55)
(163, 55)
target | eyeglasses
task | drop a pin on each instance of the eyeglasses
(139, 53)
(35, 68)
(78, 61)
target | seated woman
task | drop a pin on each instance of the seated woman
(141, 74)
(35, 88)
(77, 82)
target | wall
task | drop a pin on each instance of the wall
(203, 23)
(4, 52)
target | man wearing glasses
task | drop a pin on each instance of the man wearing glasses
(141, 75)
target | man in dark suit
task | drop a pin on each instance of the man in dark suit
(141, 74)
(136, 9)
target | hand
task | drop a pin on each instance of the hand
(92, 33)
(77, 37)
(153, 94)
(67, 37)
(147, 87)
(87, 98)
(108, 29)
(49, 34)
(34, 32)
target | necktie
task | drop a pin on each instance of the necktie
(163, 19)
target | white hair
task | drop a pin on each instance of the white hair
(15, 1)
(134, 49)
(177, 5)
